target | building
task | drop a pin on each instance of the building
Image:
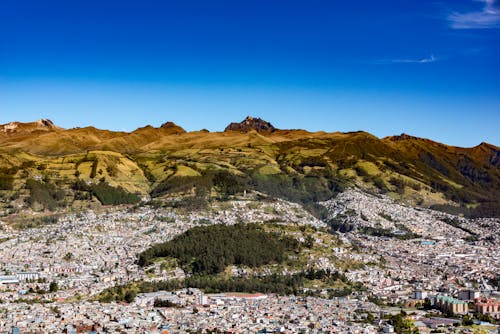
(420, 295)
(469, 295)
(27, 276)
(202, 299)
(10, 279)
(449, 304)
(490, 307)
(388, 329)
(239, 295)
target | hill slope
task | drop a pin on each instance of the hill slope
(252, 155)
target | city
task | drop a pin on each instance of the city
(52, 274)
(263, 166)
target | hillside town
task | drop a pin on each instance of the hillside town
(443, 271)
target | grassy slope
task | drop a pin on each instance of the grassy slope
(140, 161)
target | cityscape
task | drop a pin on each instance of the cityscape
(264, 166)
(52, 275)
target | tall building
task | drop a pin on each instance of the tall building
(451, 305)
(468, 295)
(490, 307)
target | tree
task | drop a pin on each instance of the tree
(467, 321)
(129, 296)
(427, 304)
(402, 324)
(53, 287)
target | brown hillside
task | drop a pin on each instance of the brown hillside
(151, 160)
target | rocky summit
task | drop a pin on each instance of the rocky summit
(250, 123)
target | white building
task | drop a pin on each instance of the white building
(11, 279)
(27, 276)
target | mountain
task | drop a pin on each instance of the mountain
(249, 124)
(18, 128)
(43, 166)
(172, 128)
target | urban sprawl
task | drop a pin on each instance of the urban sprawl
(444, 278)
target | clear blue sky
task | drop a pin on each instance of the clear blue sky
(427, 68)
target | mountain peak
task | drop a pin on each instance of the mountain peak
(403, 136)
(486, 145)
(19, 127)
(251, 123)
(172, 128)
(44, 122)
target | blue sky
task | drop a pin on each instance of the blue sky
(427, 68)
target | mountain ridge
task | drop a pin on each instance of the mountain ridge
(250, 123)
(154, 161)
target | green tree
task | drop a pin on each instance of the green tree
(53, 287)
(129, 296)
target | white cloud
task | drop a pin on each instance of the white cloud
(488, 17)
(429, 59)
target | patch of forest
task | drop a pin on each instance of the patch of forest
(105, 193)
(44, 193)
(210, 249)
